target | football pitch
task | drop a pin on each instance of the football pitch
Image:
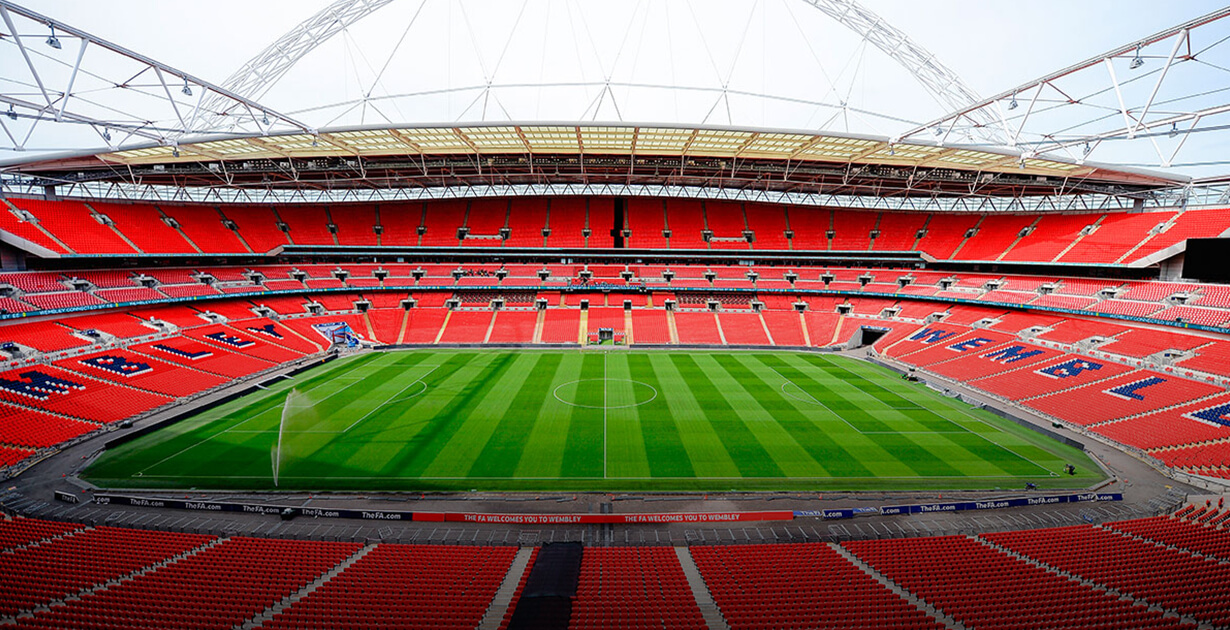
(592, 420)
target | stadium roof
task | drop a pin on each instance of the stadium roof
(1117, 125)
(420, 157)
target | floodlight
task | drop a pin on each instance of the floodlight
(187, 91)
(939, 131)
(52, 40)
(106, 134)
(1136, 61)
(1174, 130)
(1088, 148)
(174, 151)
(265, 119)
(12, 113)
(1012, 103)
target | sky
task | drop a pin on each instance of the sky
(729, 53)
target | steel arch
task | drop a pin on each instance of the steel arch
(261, 72)
(254, 78)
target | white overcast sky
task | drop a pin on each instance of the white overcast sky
(992, 44)
(779, 47)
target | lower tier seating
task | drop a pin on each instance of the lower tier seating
(800, 586)
(221, 586)
(395, 586)
(20, 532)
(1173, 579)
(52, 570)
(1138, 574)
(633, 588)
(982, 587)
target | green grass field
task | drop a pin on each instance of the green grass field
(594, 420)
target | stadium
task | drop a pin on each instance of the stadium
(734, 315)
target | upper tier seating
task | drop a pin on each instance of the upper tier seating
(768, 224)
(1116, 234)
(309, 225)
(995, 235)
(526, 219)
(356, 224)
(203, 226)
(1050, 236)
(258, 226)
(143, 225)
(28, 230)
(75, 226)
(1203, 223)
(1115, 237)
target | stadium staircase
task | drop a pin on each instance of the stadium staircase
(938, 615)
(704, 599)
(501, 607)
(546, 600)
(286, 602)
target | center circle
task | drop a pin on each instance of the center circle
(592, 389)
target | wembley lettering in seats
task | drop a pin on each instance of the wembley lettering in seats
(268, 330)
(931, 335)
(38, 385)
(1217, 416)
(1068, 369)
(118, 365)
(1128, 391)
(1011, 354)
(230, 340)
(970, 344)
(191, 355)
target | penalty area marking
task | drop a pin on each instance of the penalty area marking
(555, 393)
(235, 427)
(394, 398)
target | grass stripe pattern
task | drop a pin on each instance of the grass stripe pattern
(595, 420)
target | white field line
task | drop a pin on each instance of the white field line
(604, 412)
(967, 415)
(390, 399)
(235, 427)
(519, 478)
(814, 400)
